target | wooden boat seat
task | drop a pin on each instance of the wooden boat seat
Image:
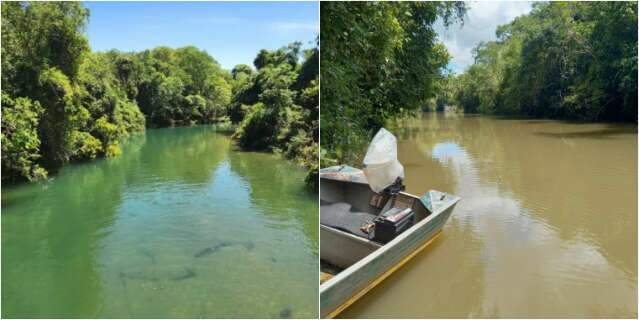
(339, 215)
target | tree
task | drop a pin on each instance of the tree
(20, 140)
(277, 106)
(61, 102)
(242, 72)
(563, 60)
(380, 61)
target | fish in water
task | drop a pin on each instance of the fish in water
(189, 273)
(126, 294)
(286, 313)
(122, 277)
(137, 276)
(273, 259)
(147, 254)
(249, 245)
(213, 249)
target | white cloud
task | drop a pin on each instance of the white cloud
(480, 24)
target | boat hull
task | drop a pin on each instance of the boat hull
(349, 285)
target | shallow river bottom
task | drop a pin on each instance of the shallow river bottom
(181, 225)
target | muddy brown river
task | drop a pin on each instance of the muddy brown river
(547, 225)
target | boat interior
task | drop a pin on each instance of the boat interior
(346, 208)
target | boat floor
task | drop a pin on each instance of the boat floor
(328, 270)
(325, 277)
(339, 215)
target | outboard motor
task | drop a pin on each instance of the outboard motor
(385, 177)
(381, 167)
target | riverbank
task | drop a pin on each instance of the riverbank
(58, 111)
(571, 61)
(276, 106)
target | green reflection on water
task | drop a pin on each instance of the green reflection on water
(120, 237)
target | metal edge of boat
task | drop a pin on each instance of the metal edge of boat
(352, 283)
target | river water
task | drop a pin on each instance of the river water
(547, 225)
(180, 225)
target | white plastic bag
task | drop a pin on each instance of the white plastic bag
(381, 166)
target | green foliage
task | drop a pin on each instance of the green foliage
(20, 141)
(87, 102)
(286, 55)
(168, 102)
(242, 73)
(77, 105)
(128, 118)
(105, 131)
(84, 146)
(167, 82)
(572, 60)
(257, 131)
(277, 106)
(37, 36)
(380, 60)
(62, 116)
(217, 98)
(113, 150)
(197, 68)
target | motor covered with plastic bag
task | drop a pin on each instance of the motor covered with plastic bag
(381, 166)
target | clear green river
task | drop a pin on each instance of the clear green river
(182, 224)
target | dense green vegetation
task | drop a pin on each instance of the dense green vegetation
(570, 60)
(277, 106)
(61, 102)
(380, 61)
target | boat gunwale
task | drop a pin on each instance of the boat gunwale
(388, 246)
(351, 236)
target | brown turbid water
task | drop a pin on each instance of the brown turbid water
(547, 225)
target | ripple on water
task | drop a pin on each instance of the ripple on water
(119, 238)
(546, 226)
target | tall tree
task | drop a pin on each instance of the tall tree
(572, 60)
(379, 61)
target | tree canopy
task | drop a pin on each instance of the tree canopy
(277, 105)
(62, 102)
(380, 60)
(570, 60)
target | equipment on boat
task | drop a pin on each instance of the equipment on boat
(385, 176)
(391, 223)
(381, 167)
(369, 226)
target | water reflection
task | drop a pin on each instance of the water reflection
(122, 237)
(545, 226)
(276, 194)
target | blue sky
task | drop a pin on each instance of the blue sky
(231, 32)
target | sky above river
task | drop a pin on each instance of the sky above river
(480, 24)
(232, 32)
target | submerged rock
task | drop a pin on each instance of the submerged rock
(286, 313)
(249, 245)
(211, 250)
(188, 274)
